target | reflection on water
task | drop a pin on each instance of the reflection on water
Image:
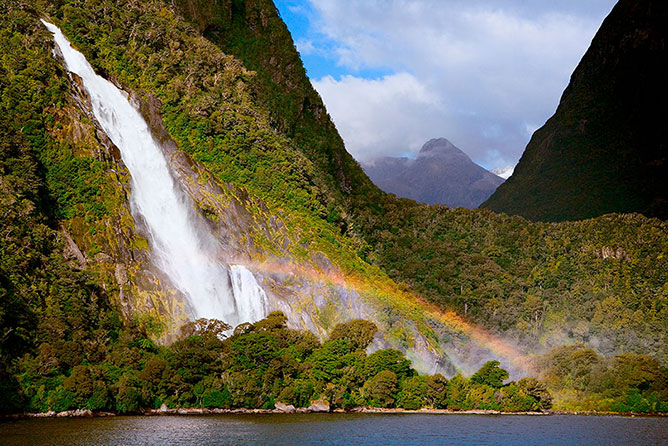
(337, 429)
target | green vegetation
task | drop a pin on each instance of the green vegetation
(584, 380)
(600, 281)
(209, 104)
(255, 367)
(542, 284)
(41, 295)
(251, 30)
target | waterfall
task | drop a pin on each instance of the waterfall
(181, 248)
(244, 284)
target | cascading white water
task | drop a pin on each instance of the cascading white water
(184, 253)
(244, 284)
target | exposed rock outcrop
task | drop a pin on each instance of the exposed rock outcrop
(321, 405)
(284, 408)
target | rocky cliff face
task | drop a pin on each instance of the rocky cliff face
(441, 174)
(110, 243)
(605, 149)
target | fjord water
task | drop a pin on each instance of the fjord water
(339, 429)
(182, 248)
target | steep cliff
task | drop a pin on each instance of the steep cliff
(605, 149)
(254, 32)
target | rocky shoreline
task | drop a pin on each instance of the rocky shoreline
(86, 413)
(288, 409)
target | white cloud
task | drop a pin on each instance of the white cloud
(305, 47)
(480, 75)
(380, 116)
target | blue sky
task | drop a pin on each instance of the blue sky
(484, 74)
(318, 51)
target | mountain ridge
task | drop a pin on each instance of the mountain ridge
(606, 147)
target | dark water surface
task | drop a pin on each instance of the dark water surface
(338, 429)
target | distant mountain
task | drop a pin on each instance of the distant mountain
(606, 148)
(503, 172)
(442, 173)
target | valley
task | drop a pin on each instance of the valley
(161, 176)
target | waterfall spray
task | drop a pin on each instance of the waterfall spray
(181, 248)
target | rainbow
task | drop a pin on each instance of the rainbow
(379, 285)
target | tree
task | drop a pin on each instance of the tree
(275, 320)
(631, 370)
(298, 393)
(490, 375)
(208, 329)
(359, 332)
(128, 394)
(513, 399)
(436, 392)
(380, 390)
(412, 392)
(457, 391)
(219, 398)
(481, 396)
(328, 362)
(572, 367)
(388, 359)
(153, 373)
(537, 390)
(80, 385)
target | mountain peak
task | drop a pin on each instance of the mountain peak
(440, 147)
(442, 173)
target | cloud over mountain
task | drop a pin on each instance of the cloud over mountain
(485, 75)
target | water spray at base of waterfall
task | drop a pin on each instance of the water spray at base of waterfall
(181, 246)
(499, 348)
(244, 284)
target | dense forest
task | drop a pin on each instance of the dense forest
(599, 285)
(257, 366)
(599, 282)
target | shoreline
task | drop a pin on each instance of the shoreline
(86, 413)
